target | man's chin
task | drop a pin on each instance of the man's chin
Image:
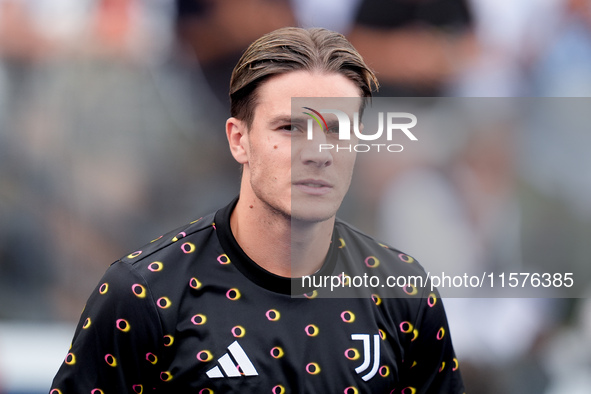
(313, 210)
(304, 216)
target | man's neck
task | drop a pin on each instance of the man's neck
(280, 245)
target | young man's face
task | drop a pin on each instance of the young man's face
(288, 173)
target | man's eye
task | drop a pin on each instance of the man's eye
(333, 130)
(290, 128)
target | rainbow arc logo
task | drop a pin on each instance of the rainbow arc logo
(318, 115)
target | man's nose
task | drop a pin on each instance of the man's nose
(316, 151)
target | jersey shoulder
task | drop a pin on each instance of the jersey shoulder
(357, 242)
(184, 237)
(361, 254)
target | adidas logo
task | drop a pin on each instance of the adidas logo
(243, 364)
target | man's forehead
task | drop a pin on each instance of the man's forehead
(302, 116)
(304, 83)
(318, 90)
(327, 107)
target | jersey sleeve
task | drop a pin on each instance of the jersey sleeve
(116, 344)
(430, 365)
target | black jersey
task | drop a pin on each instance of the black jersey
(192, 313)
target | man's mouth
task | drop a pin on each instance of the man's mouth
(313, 186)
(313, 183)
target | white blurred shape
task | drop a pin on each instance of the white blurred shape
(31, 354)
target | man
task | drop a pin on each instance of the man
(209, 308)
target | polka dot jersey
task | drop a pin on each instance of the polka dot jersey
(191, 313)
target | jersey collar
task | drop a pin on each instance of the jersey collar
(255, 272)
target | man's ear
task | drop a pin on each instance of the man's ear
(236, 131)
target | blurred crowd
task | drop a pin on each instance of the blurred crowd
(112, 131)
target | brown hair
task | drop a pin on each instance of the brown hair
(292, 49)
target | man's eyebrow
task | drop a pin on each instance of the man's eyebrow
(299, 120)
(332, 123)
(287, 119)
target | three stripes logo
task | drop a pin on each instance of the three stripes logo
(234, 364)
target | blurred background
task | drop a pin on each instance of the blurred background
(112, 132)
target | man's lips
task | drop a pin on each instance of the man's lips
(313, 183)
(313, 186)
